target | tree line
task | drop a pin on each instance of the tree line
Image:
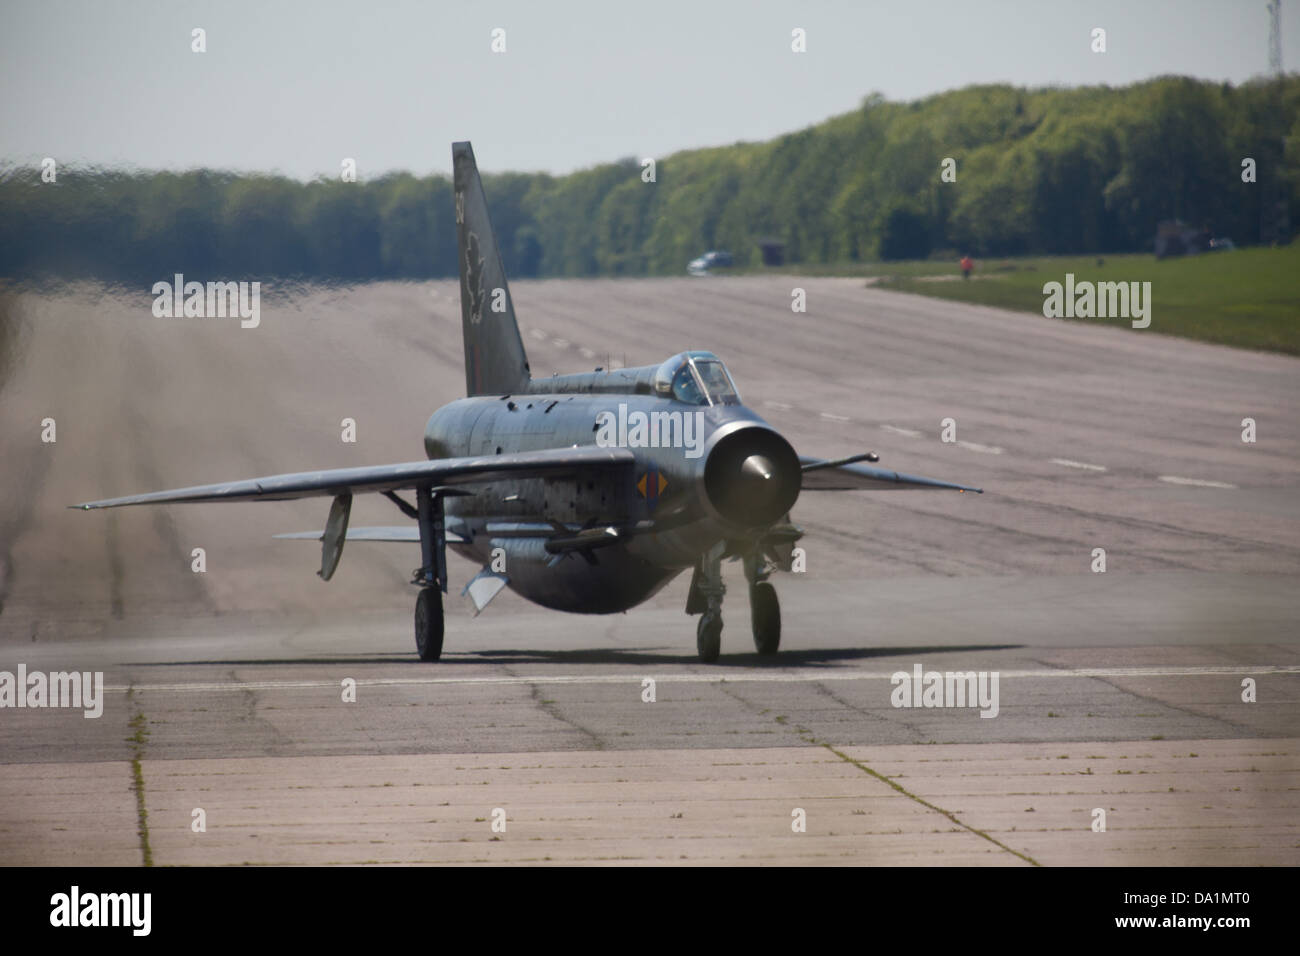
(1033, 171)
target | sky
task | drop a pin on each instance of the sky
(296, 87)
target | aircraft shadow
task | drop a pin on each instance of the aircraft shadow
(641, 657)
(804, 657)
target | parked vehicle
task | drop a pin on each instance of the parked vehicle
(714, 259)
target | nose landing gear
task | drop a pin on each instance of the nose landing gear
(765, 609)
(708, 636)
(705, 599)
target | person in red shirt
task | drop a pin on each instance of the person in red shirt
(966, 266)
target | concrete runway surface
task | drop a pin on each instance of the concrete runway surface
(1119, 691)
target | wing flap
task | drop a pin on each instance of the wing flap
(547, 463)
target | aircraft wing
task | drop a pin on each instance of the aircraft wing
(548, 463)
(851, 474)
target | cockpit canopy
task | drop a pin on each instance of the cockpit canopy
(696, 378)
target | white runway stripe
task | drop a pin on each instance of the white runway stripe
(1077, 464)
(766, 677)
(1195, 482)
(910, 433)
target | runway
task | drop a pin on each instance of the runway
(1120, 690)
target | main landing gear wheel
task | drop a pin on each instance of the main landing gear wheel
(708, 636)
(428, 624)
(766, 613)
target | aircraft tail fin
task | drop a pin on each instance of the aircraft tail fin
(495, 362)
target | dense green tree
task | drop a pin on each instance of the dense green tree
(1049, 170)
(904, 233)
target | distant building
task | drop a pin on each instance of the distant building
(773, 252)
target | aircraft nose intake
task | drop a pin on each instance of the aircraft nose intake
(758, 467)
(752, 477)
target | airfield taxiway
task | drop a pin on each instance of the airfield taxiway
(1120, 690)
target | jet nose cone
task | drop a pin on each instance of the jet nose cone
(752, 477)
(758, 467)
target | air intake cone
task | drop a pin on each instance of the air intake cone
(752, 477)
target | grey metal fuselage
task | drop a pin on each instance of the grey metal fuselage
(666, 487)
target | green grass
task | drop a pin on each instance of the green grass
(137, 741)
(1249, 298)
(912, 267)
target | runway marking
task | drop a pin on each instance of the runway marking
(986, 449)
(901, 431)
(781, 405)
(1077, 464)
(689, 678)
(835, 418)
(537, 334)
(560, 343)
(586, 353)
(1195, 482)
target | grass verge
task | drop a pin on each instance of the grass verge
(1249, 298)
(137, 741)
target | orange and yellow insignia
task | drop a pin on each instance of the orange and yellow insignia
(651, 485)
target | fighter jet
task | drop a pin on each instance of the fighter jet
(585, 492)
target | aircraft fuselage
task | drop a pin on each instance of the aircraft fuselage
(668, 487)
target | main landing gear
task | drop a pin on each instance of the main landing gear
(765, 610)
(705, 599)
(432, 574)
(428, 624)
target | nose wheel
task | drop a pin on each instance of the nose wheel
(705, 599)
(708, 636)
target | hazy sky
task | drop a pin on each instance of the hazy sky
(295, 87)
